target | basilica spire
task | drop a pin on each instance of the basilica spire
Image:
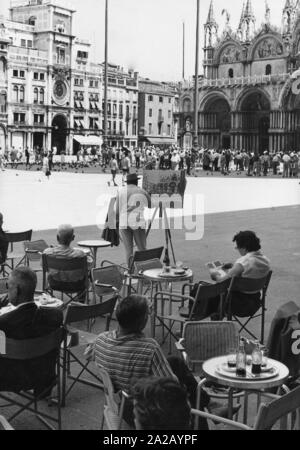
(249, 11)
(288, 16)
(211, 27)
(246, 27)
(211, 15)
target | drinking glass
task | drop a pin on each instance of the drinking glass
(231, 357)
(265, 354)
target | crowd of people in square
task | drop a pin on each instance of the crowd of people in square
(207, 160)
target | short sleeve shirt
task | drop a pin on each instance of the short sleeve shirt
(255, 265)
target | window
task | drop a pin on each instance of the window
(29, 44)
(35, 118)
(268, 69)
(2, 65)
(81, 82)
(22, 94)
(3, 103)
(150, 98)
(159, 128)
(114, 126)
(150, 128)
(32, 20)
(35, 95)
(42, 76)
(60, 55)
(170, 100)
(121, 109)
(114, 108)
(23, 42)
(35, 75)
(16, 94)
(91, 122)
(161, 99)
(91, 83)
(150, 112)
(108, 108)
(169, 114)
(230, 73)
(121, 127)
(76, 81)
(22, 117)
(22, 74)
(41, 118)
(15, 73)
(16, 117)
(42, 96)
(169, 130)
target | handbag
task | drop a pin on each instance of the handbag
(111, 233)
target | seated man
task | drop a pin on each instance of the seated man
(127, 355)
(3, 242)
(252, 264)
(160, 404)
(65, 235)
(27, 321)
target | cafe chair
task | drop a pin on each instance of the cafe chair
(190, 309)
(114, 404)
(4, 425)
(138, 258)
(249, 285)
(77, 290)
(79, 339)
(140, 267)
(33, 252)
(202, 340)
(284, 409)
(32, 381)
(13, 254)
(107, 281)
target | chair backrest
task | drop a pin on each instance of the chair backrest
(145, 255)
(57, 263)
(207, 339)
(205, 293)
(141, 266)
(34, 249)
(249, 285)
(19, 237)
(27, 349)
(269, 414)
(110, 275)
(3, 286)
(112, 398)
(78, 312)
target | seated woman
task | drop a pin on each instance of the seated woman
(252, 264)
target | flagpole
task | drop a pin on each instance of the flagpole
(183, 52)
(196, 93)
(105, 74)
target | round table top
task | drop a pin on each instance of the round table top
(94, 243)
(155, 275)
(210, 370)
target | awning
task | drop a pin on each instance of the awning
(88, 140)
(160, 141)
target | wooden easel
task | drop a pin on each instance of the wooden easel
(163, 216)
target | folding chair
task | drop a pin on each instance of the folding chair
(78, 338)
(202, 340)
(33, 252)
(198, 308)
(12, 239)
(268, 415)
(114, 404)
(75, 290)
(28, 351)
(108, 280)
(139, 257)
(249, 285)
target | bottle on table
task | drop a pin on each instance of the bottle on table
(256, 359)
(166, 261)
(241, 360)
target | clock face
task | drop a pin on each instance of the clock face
(60, 90)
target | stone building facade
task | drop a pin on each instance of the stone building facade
(248, 96)
(51, 93)
(158, 103)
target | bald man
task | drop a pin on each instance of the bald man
(65, 236)
(3, 243)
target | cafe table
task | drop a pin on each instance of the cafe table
(157, 277)
(216, 370)
(94, 245)
(41, 300)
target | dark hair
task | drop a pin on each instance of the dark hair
(247, 240)
(131, 313)
(161, 404)
(26, 280)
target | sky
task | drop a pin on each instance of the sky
(146, 35)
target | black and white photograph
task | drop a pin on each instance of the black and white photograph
(123, 310)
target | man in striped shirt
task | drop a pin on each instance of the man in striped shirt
(126, 354)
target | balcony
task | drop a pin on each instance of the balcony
(244, 81)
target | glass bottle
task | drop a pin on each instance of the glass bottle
(241, 360)
(256, 359)
(166, 261)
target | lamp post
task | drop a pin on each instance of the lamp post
(105, 74)
(195, 143)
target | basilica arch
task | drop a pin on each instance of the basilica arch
(215, 122)
(251, 121)
(60, 132)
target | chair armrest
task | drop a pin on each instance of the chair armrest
(179, 345)
(190, 285)
(110, 263)
(232, 423)
(97, 283)
(171, 295)
(32, 252)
